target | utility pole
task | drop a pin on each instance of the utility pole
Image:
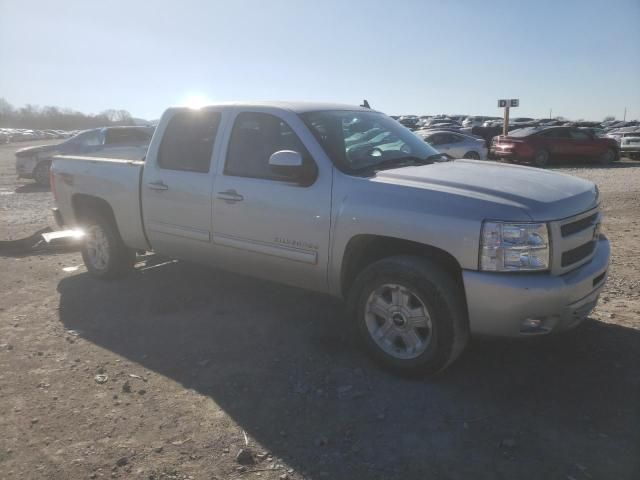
(550, 111)
(505, 126)
(625, 114)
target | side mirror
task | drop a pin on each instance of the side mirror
(289, 164)
(286, 162)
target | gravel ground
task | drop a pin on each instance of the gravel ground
(169, 373)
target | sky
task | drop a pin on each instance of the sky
(580, 58)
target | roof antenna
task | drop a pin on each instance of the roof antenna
(365, 104)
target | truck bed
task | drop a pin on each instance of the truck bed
(114, 180)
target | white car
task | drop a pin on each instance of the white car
(630, 146)
(455, 144)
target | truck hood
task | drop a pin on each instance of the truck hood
(31, 151)
(543, 195)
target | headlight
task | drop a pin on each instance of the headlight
(507, 247)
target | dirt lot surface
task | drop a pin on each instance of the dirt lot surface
(170, 372)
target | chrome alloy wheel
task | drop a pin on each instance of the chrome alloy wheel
(97, 245)
(398, 321)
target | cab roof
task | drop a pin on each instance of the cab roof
(296, 107)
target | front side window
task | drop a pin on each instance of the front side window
(578, 135)
(359, 141)
(439, 139)
(254, 138)
(187, 143)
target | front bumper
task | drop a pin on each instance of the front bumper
(498, 303)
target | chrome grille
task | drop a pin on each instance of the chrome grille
(574, 240)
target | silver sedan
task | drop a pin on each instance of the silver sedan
(455, 144)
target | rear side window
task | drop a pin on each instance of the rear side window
(555, 133)
(187, 143)
(88, 139)
(127, 135)
(578, 135)
(254, 138)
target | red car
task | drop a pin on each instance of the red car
(540, 145)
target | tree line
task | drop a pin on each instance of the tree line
(55, 118)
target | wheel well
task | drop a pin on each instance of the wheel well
(87, 207)
(363, 250)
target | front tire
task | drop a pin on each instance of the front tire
(472, 155)
(103, 251)
(541, 158)
(608, 157)
(410, 314)
(41, 173)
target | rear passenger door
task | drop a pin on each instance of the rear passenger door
(265, 225)
(177, 184)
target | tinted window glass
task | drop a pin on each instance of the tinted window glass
(578, 135)
(88, 139)
(187, 143)
(555, 133)
(127, 135)
(254, 138)
(439, 139)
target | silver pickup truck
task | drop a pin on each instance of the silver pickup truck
(346, 201)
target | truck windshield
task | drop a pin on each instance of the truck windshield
(359, 142)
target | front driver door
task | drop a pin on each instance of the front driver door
(263, 224)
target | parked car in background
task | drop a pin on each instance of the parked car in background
(477, 120)
(116, 142)
(541, 145)
(409, 121)
(434, 122)
(630, 146)
(455, 144)
(520, 120)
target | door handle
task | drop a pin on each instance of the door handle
(230, 196)
(159, 185)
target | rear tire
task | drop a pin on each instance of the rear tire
(541, 158)
(104, 254)
(410, 314)
(41, 173)
(472, 155)
(608, 157)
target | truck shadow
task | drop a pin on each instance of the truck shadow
(580, 163)
(32, 188)
(284, 364)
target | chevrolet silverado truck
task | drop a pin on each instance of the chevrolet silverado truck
(346, 201)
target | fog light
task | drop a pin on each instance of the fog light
(530, 325)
